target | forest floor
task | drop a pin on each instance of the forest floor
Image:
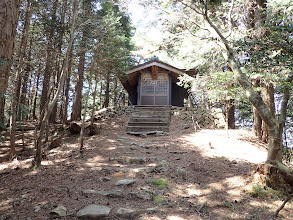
(187, 175)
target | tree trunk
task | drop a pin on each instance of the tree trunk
(8, 22)
(67, 87)
(230, 113)
(38, 157)
(76, 108)
(22, 49)
(115, 91)
(94, 100)
(36, 93)
(269, 100)
(107, 92)
(101, 93)
(84, 114)
(48, 68)
(257, 121)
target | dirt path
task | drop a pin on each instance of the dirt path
(183, 176)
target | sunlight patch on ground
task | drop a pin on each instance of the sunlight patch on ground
(5, 204)
(16, 163)
(175, 218)
(229, 144)
(50, 163)
(190, 190)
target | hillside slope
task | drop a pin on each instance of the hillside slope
(187, 175)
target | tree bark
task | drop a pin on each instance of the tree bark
(67, 87)
(36, 93)
(22, 49)
(94, 100)
(48, 68)
(269, 100)
(230, 113)
(257, 121)
(76, 108)
(8, 22)
(107, 92)
(38, 157)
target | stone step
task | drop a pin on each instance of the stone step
(150, 119)
(153, 107)
(147, 123)
(147, 129)
(151, 114)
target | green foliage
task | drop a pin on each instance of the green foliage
(160, 183)
(261, 191)
(258, 191)
(159, 199)
(229, 206)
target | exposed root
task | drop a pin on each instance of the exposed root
(278, 176)
(289, 197)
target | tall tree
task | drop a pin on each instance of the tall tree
(87, 7)
(38, 157)
(17, 80)
(8, 21)
(50, 26)
(205, 19)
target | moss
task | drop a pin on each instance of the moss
(159, 199)
(160, 183)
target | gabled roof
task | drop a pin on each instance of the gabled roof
(156, 63)
(134, 72)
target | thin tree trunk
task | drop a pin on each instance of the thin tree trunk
(67, 87)
(16, 91)
(107, 92)
(22, 49)
(257, 121)
(48, 68)
(24, 84)
(115, 92)
(38, 157)
(76, 108)
(269, 100)
(36, 93)
(230, 113)
(84, 115)
(101, 93)
(94, 100)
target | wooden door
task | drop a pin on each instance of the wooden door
(154, 92)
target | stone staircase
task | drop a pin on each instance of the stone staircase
(149, 120)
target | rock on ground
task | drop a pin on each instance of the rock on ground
(93, 212)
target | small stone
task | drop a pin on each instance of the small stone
(159, 133)
(89, 191)
(125, 212)
(105, 179)
(93, 212)
(37, 208)
(126, 182)
(185, 126)
(59, 211)
(144, 135)
(113, 194)
(151, 210)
